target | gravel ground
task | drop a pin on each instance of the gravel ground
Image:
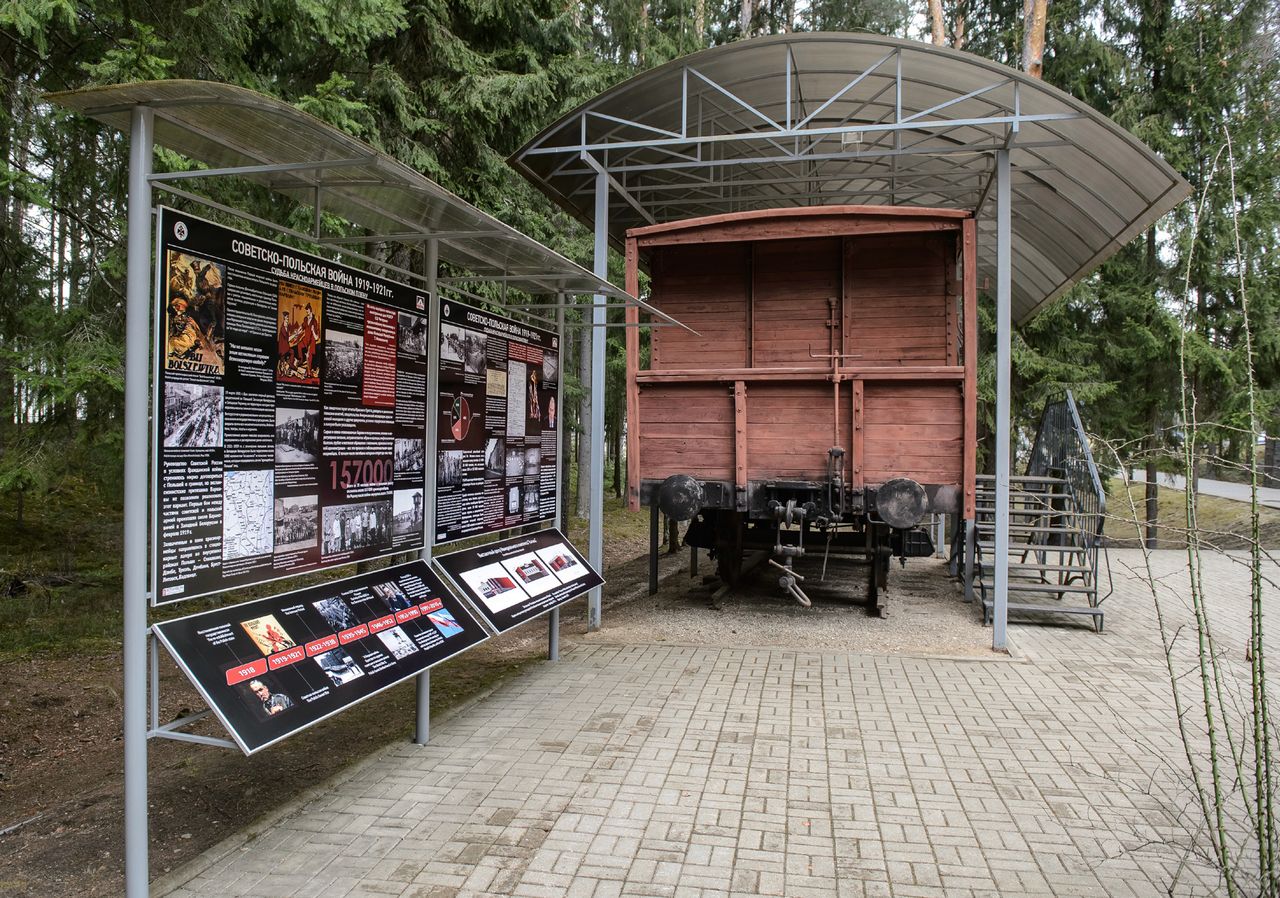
(927, 614)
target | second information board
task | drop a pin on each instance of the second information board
(496, 433)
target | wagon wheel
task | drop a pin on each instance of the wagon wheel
(729, 547)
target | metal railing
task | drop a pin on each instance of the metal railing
(1062, 450)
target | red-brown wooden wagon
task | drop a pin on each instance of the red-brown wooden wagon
(830, 384)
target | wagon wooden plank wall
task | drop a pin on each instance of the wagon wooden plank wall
(838, 326)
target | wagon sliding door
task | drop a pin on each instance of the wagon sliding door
(900, 328)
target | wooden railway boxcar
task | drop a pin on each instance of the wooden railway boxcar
(831, 381)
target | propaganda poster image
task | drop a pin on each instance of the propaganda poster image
(298, 333)
(194, 314)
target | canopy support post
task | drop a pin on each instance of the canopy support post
(137, 389)
(595, 506)
(430, 269)
(553, 619)
(1004, 255)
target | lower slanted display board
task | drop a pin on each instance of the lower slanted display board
(515, 580)
(271, 667)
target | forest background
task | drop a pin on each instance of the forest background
(452, 87)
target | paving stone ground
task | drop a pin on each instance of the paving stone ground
(687, 772)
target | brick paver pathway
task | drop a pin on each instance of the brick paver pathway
(684, 772)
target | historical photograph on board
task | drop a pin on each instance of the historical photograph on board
(495, 586)
(495, 458)
(560, 561)
(533, 400)
(515, 462)
(409, 456)
(297, 435)
(264, 697)
(449, 471)
(297, 523)
(531, 573)
(532, 461)
(445, 622)
(496, 382)
(411, 335)
(517, 398)
(397, 642)
(195, 314)
(192, 416)
(298, 333)
(406, 509)
(337, 614)
(463, 347)
(394, 597)
(344, 356)
(531, 501)
(248, 513)
(361, 525)
(513, 500)
(339, 666)
(267, 634)
(550, 367)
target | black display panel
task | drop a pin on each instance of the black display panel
(496, 434)
(290, 412)
(515, 580)
(273, 666)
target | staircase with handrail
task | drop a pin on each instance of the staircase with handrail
(1056, 514)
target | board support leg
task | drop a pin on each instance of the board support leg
(553, 635)
(422, 733)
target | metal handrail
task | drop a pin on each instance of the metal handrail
(1062, 447)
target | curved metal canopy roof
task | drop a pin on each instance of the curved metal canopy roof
(241, 132)
(857, 119)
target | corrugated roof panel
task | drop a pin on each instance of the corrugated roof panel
(223, 126)
(1090, 184)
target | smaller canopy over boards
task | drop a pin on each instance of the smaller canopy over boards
(858, 119)
(236, 131)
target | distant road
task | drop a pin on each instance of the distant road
(1268, 496)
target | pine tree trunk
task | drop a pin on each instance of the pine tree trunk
(617, 457)
(746, 16)
(1034, 16)
(935, 23)
(1152, 490)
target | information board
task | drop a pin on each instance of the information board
(496, 434)
(515, 580)
(290, 412)
(273, 666)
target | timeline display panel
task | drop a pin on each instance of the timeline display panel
(496, 435)
(273, 666)
(513, 581)
(290, 412)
